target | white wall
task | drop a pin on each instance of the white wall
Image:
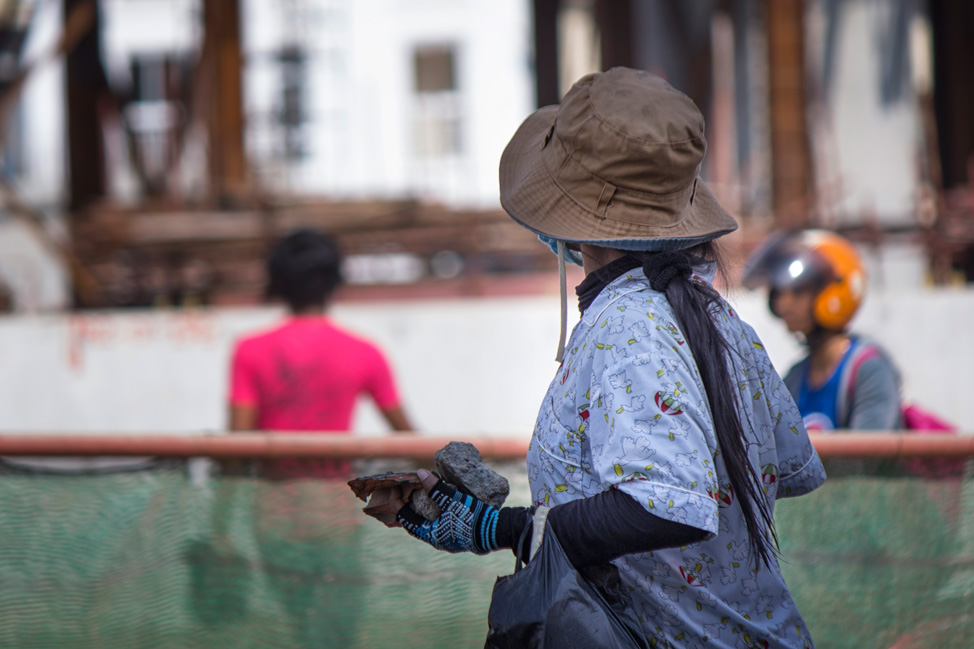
(42, 119)
(152, 371)
(360, 91)
(38, 279)
(865, 152)
(465, 366)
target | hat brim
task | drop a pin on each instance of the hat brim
(533, 198)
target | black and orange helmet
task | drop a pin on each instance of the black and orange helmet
(814, 260)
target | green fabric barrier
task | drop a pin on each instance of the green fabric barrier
(882, 562)
(153, 559)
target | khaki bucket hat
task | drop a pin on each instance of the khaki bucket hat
(615, 164)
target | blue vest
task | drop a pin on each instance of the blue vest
(819, 406)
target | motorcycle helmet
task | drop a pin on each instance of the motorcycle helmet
(812, 260)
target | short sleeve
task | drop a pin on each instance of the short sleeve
(243, 377)
(655, 447)
(379, 381)
(800, 470)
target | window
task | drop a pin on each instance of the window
(292, 112)
(434, 70)
(437, 123)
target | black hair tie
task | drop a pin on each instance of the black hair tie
(663, 267)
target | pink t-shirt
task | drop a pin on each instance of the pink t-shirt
(306, 374)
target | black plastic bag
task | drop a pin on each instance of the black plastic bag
(550, 605)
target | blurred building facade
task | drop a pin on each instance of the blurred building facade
(349, 100)
(154, 149)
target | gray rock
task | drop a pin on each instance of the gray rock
(462, 467)
(424, 506)
(461, 464)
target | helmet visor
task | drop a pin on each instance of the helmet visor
(785, 262)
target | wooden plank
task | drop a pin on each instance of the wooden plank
(85, 85)
(791, 158)
(228, 163)
(156, 246)
(154, 227)
(615, 21)
(546, 52)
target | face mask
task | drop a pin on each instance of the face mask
(572, 256)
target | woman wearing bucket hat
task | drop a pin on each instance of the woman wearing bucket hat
(666, 435)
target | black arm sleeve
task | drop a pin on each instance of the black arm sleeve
(601, 528)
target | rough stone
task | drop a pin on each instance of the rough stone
(423, 505)
(461, 464)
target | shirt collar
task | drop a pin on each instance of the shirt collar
(635, 280)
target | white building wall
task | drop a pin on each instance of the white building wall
(42, 117)
(866, 152)
(465, 367)
(30, 270)
(27, 266)
(359, 105)
(359, 94)
(148, 27)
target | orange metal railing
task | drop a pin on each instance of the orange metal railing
(420, 447)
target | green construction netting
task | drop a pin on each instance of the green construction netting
(159, 558)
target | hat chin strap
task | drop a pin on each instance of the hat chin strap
(560, 356)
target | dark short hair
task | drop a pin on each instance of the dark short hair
(304, 269)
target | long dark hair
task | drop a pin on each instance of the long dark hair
(695, 305)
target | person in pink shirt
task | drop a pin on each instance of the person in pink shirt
(306, 373)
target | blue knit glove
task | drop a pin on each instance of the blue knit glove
(465, 524)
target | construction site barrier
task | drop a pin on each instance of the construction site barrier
(175, 552)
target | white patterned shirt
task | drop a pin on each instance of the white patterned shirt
(627, 409)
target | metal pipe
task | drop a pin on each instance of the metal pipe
(251, 445)
(419, 447)
(893, 445)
